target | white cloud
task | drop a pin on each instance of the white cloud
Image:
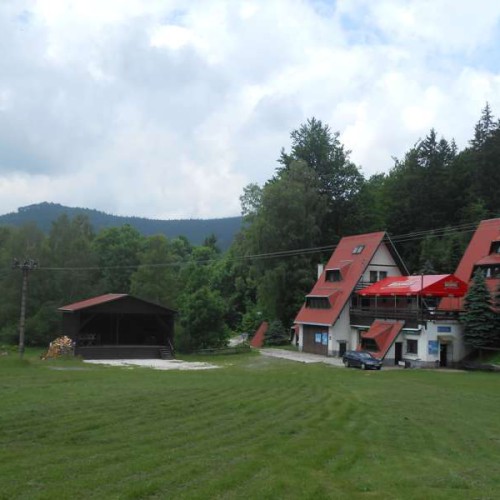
(167, 108)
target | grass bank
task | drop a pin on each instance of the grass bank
(255, 428)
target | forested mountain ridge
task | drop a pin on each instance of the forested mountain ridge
(195, 230)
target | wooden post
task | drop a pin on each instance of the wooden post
(26, 266)
(22, 319)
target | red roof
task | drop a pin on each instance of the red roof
(84, 304)
(258, 338)
(351, 266)
(384, 333)
(491, 259)
(440, 285)
(477, 253)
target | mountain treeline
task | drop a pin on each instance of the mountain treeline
(195, 230)
(429, 202)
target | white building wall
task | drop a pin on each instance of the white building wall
(340, 332)
(430, 339)
(382, 261)
(301, 337)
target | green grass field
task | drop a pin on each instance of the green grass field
(255, 428)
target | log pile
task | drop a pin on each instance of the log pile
(62, 346)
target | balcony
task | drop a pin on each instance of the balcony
(411, 317)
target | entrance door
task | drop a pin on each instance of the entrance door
(443, 355)
(315, 339)
(398, 352)
(342, 348)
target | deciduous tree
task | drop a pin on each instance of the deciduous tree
(117, 250)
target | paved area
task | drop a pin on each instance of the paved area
(157, 364)
(302, 357)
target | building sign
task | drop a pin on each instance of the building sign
(444, 329)
(433, 347)
(317, 338)
(324, 338)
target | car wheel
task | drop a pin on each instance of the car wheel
(363, 366)
(379, 367)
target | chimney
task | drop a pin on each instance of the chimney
(321, 268)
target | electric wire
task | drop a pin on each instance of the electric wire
(401, 238)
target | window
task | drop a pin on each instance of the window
(321, 338)
(495, 247)
(369, 345)
(317, 303)
(412, 346)
(377, 276)
(333, 275)
(491, 272)
(358, 249)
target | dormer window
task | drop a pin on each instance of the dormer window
(495, 247)
(358, 249)
(317, 303)
(489, 272)
(333, 275)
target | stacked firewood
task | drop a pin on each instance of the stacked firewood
(62, 346)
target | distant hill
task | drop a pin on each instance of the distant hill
(195, 230)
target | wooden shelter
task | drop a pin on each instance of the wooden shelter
(115, 326)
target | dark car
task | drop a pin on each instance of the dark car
(363, 359)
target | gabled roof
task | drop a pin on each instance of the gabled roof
(439, 285)
(84, 304)
(351, 266)
(477, 253)
(384, 334)
(107, 298)
(479, 248)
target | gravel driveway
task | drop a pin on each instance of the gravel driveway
(302, 357)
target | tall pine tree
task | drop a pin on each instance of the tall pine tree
(478, 317)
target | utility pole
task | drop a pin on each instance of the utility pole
(26, 266)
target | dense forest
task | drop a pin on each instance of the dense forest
(429, 201)
(195, 230)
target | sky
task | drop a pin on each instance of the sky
(166, 109)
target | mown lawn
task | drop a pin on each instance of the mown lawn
(255, 428)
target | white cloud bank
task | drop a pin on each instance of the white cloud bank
(167, 109)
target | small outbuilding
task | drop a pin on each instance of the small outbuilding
(119, 326)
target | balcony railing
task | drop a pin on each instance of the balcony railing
(362, 284)
(411, 317)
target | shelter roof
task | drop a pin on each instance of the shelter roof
(108, 298)
(384, 333)
(351, 258)
(440, 285)
(259, 336)
(94, 301)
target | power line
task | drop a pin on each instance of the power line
(402, 238)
